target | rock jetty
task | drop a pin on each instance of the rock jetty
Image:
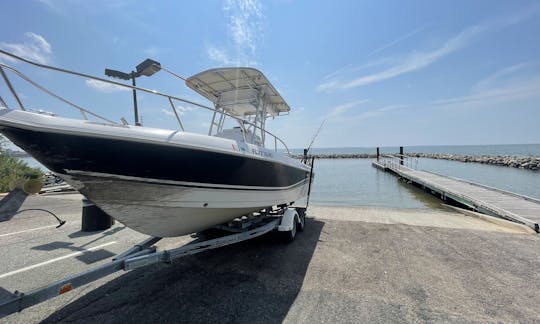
(522, 162)
(338, 156)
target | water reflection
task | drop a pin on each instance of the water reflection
(354, 182)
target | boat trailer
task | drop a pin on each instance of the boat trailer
(286, 220)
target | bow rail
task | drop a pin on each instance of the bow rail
(85, 111)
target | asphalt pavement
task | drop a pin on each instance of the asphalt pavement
(349, 265)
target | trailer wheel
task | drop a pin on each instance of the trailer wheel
(289, 236)
(301, 221)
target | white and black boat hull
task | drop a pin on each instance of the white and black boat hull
(158, 182)
(171, 210)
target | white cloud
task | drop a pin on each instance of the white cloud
(244, 22)
(516, 17)
(510, 84)
(349, 68)
(395, 41)
(167, 112)
(152, 51)
(51, 4)
(337, 72)
(420, 60)
(104, 86)
(523, 89)
(375, 112)
(336, 112)
(410, 63)
(391, 108)
(35, 48)
(184, 109)
(218, 55)
(181, 110)
(245, 31)
(345, 114)
(499, 76)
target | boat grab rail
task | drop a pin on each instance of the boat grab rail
(83, 110)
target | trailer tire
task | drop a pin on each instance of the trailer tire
(301, 221)
(289, 236)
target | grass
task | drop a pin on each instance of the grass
(13, 169)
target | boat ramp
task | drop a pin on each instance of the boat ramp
(478, 197)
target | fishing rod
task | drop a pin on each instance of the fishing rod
(305, 160)
(313, 140)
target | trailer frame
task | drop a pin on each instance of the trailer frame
(145, 253)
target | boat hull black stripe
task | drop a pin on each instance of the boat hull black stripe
(60, 152)
(187, 185)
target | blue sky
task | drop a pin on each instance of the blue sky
(381, 73)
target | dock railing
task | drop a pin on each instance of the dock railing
(398, 162)
(85, 112)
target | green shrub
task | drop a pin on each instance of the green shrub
(12, 168)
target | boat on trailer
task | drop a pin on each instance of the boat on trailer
(170, 182)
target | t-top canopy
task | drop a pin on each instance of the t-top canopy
(238, 90)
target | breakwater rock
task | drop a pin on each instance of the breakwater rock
(522, 162)
(338, 156)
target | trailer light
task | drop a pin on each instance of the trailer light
(65, 288)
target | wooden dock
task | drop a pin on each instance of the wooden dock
(481, 198)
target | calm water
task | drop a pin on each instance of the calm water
(526, 182)
(354, 182)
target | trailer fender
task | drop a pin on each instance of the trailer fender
(287, 221)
